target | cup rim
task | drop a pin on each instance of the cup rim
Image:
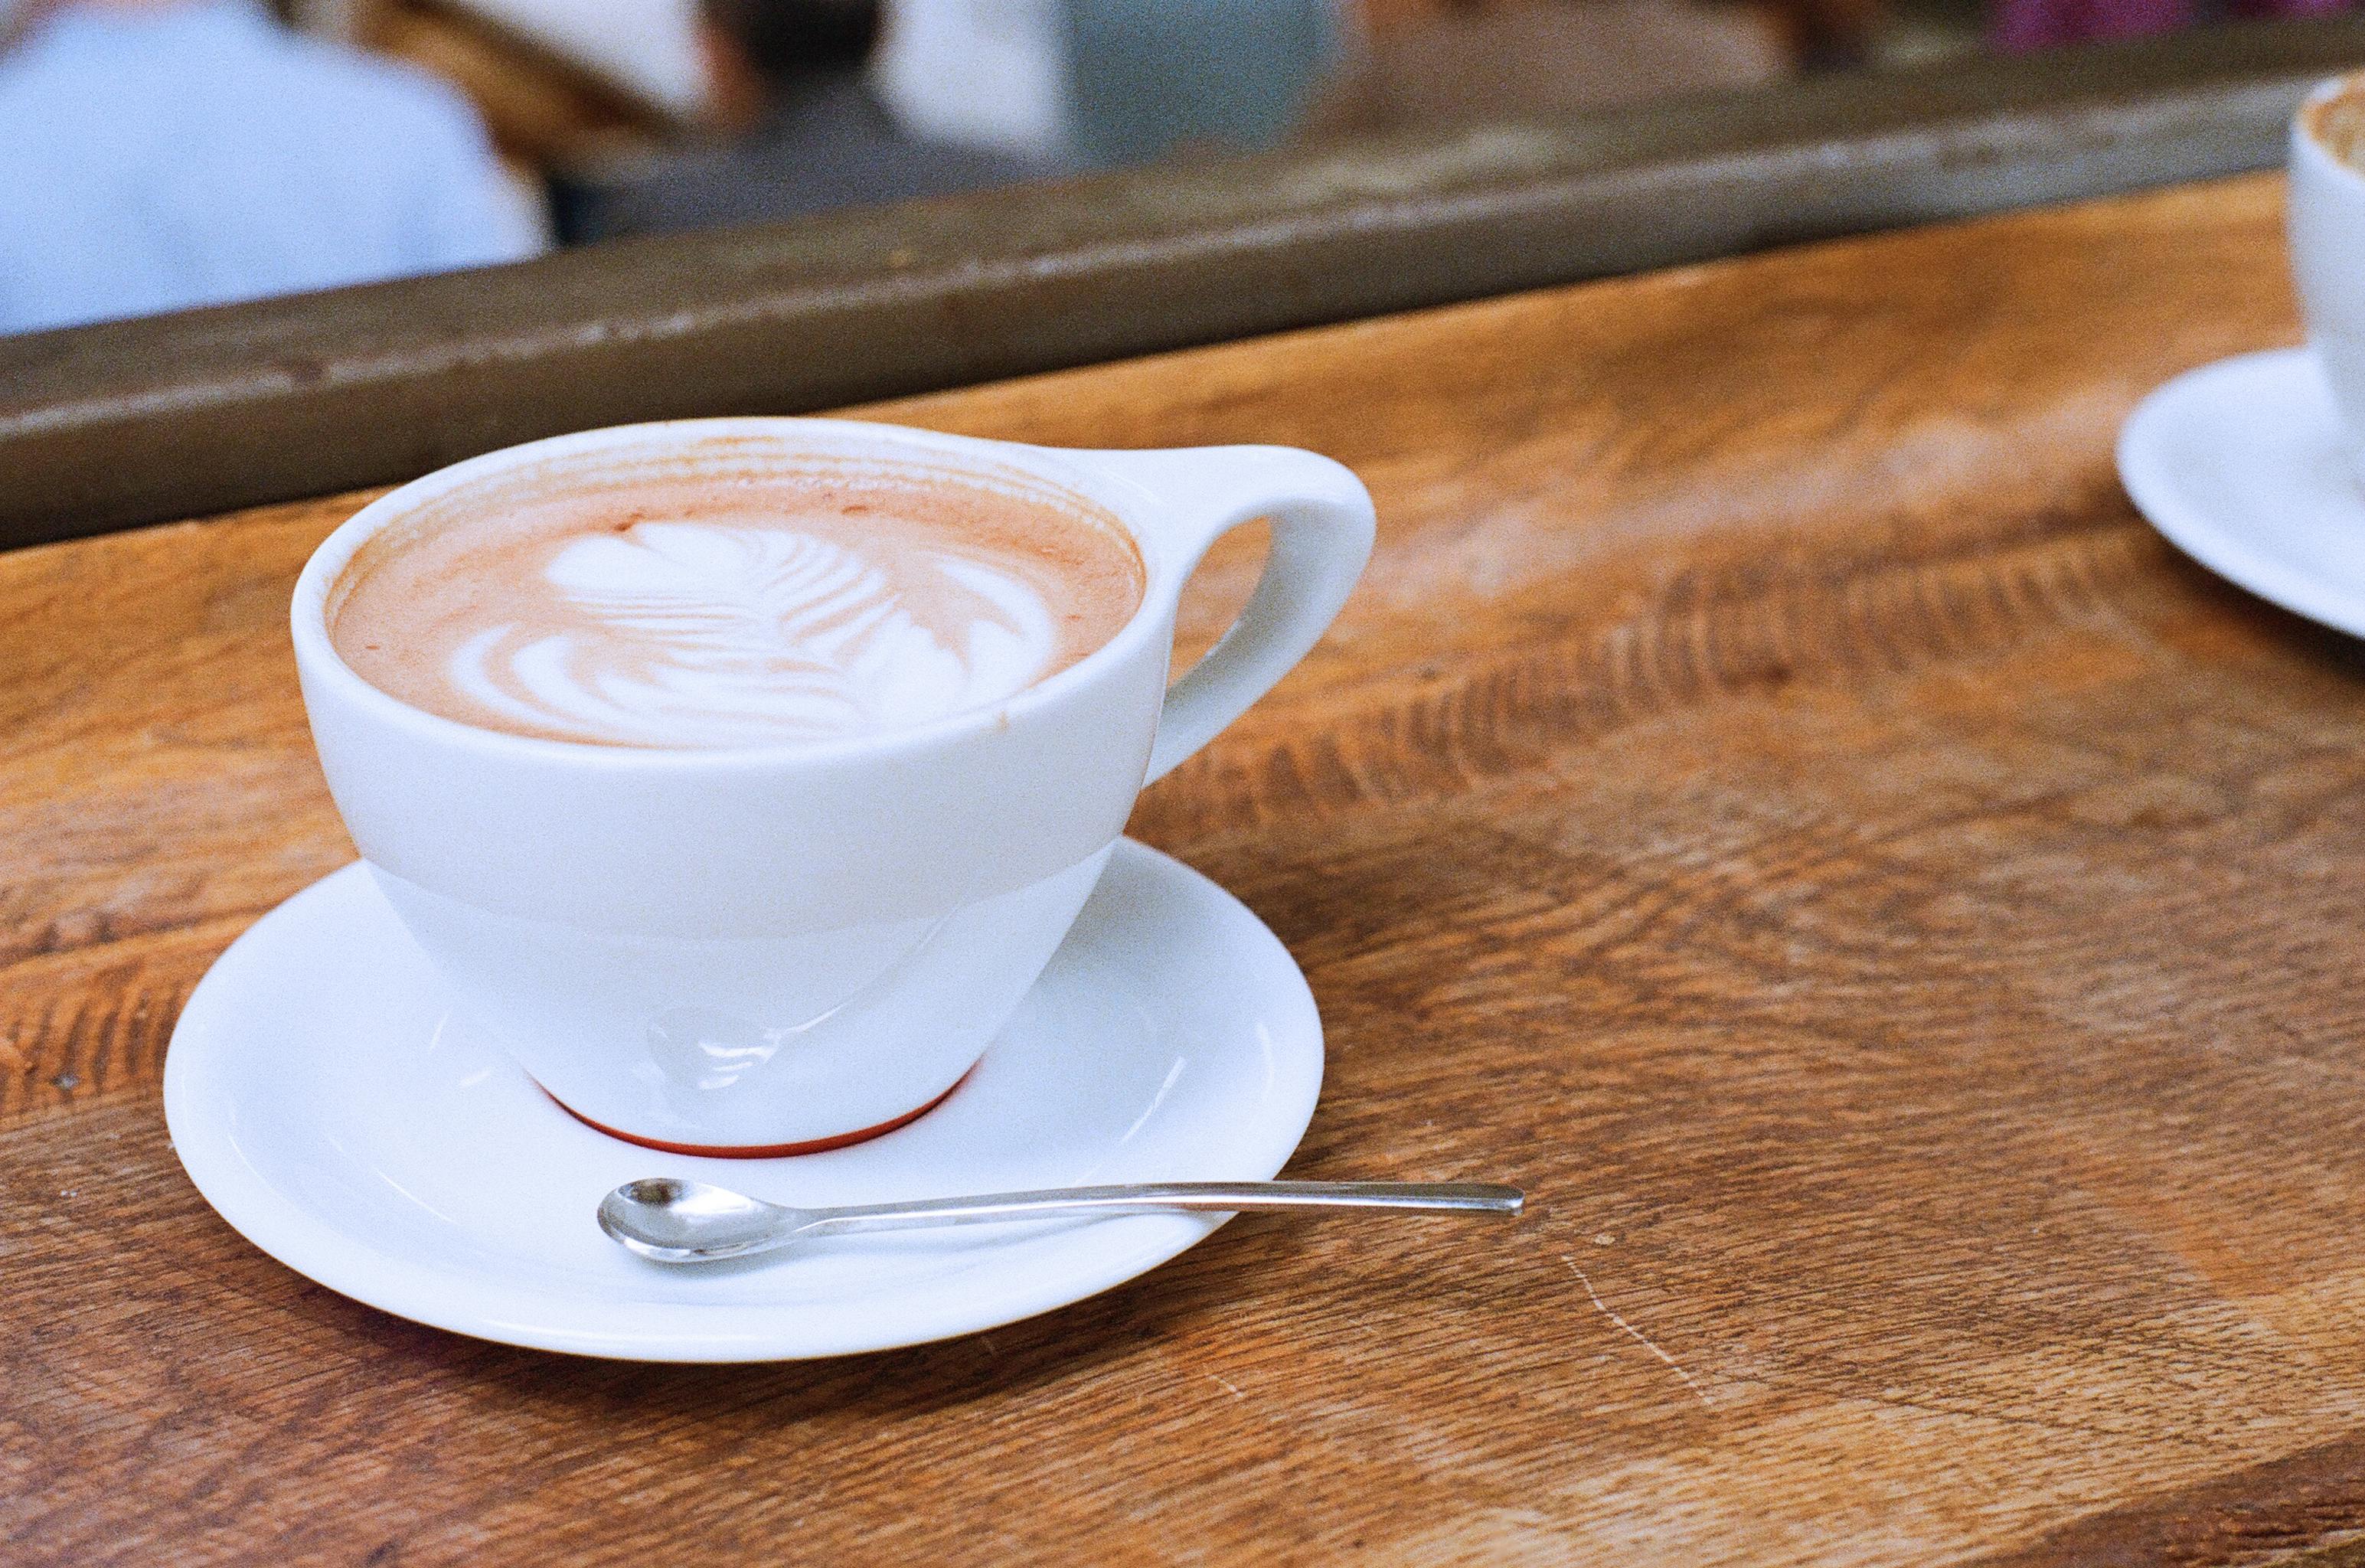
(319, 660)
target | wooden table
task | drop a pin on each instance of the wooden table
(1771, 796)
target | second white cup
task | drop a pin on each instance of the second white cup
(2326, 224)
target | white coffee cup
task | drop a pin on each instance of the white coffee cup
(2326, 224)
(768, 948)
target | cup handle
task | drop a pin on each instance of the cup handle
(1322, 525)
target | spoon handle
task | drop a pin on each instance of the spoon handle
(1166, 1197)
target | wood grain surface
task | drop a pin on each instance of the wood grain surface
(1771, 796)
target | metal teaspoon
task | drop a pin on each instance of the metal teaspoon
(668, 1220)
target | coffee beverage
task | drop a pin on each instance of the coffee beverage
(2336, 121)
(702, 607)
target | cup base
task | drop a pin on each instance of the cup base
(761, 1150)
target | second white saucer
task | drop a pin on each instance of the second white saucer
(2240, 465)
(319, 1104)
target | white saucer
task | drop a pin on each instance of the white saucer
(2240, 465)
(319, 1104)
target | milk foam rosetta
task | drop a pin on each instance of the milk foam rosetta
(685, 613)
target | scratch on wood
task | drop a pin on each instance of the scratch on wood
(1226, 1388)
(1637, 1335)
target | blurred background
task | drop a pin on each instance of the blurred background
(161, 154)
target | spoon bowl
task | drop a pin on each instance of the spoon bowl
(675, 1220)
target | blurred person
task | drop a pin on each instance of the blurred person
(1108, 83)
(1518, 59)
(980, 73)
(1148, 78)
(159, 154)
(2017, 25)
(821, 139)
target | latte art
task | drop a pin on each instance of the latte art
(719, 620)
(707, 636)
